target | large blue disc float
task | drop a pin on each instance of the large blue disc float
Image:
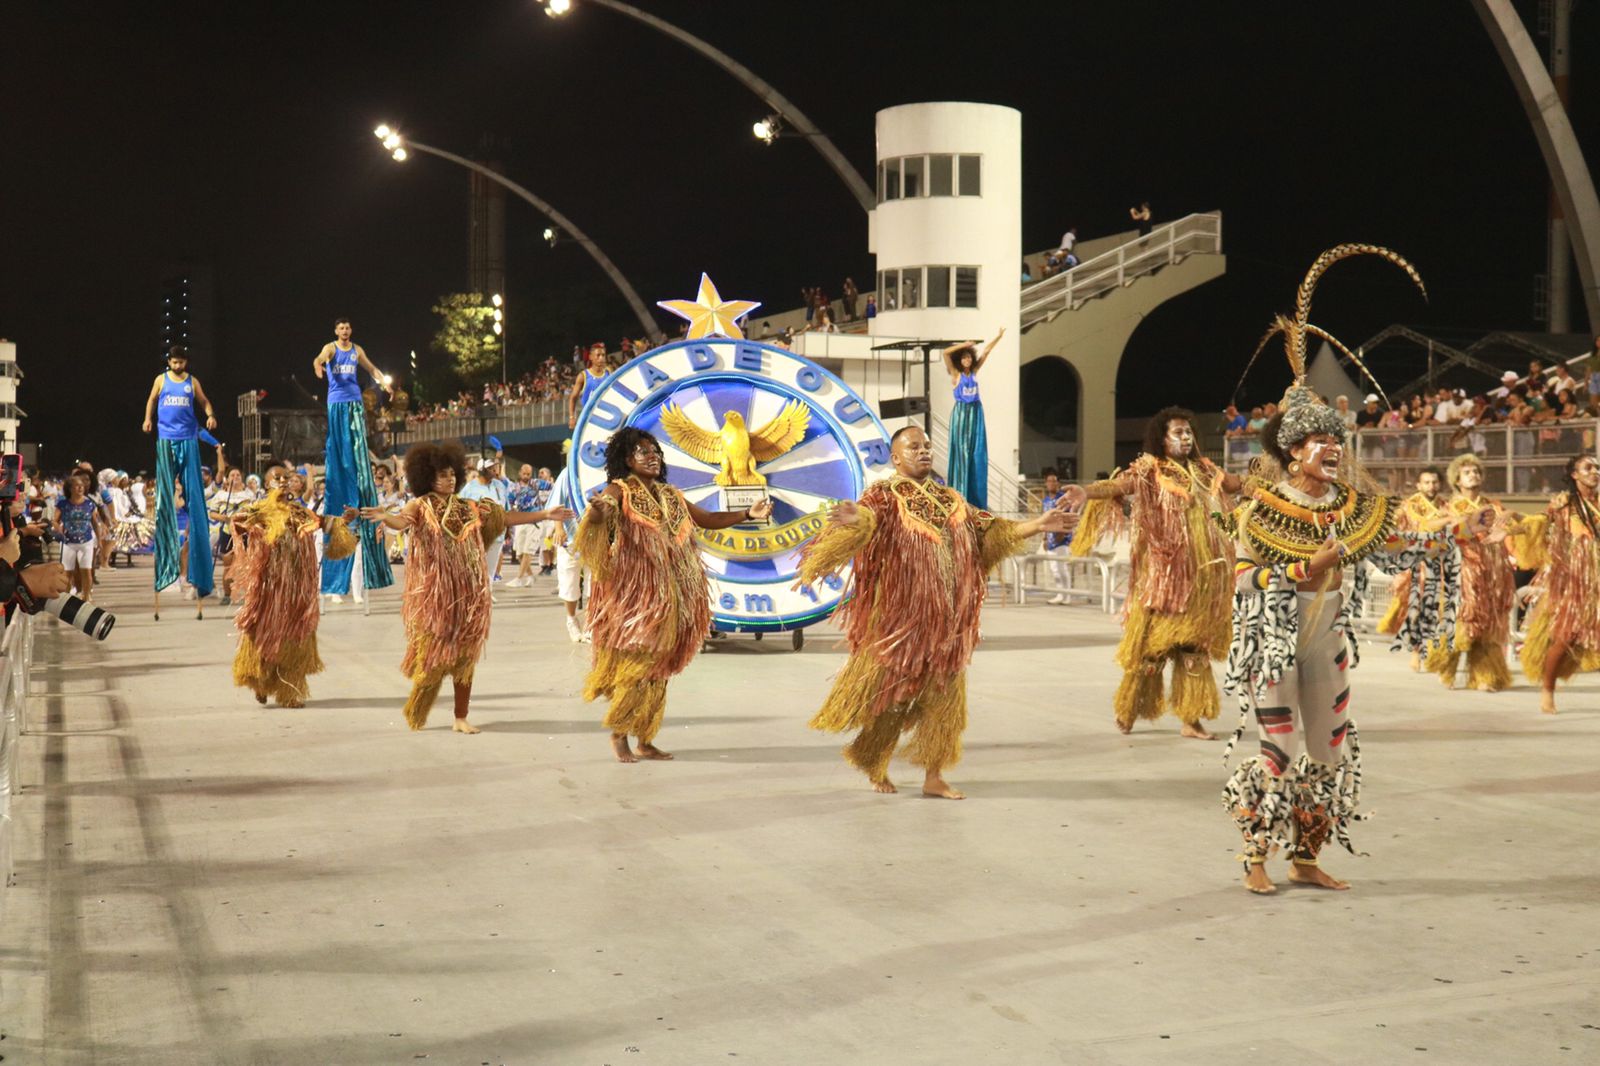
(699, 398)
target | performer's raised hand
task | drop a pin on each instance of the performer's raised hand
(1073, 497)
(845, 513)
(373, 514)
(558, 514)
(1058, 520)
(761, 511)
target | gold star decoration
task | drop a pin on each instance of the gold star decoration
(709, 315)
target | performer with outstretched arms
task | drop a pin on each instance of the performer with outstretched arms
(170, 411)
(1311, 512)
(1181, 582)
(1419, 597)
(446, 605)
(274, 574)
(1488, 586)
(1564, 624)
(969, 438)
(922, 558)
(650, 606)
(348, 479)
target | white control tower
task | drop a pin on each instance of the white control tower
(10, 413)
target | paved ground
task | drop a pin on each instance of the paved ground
(204, 881)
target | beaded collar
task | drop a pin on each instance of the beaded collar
(1283, 525)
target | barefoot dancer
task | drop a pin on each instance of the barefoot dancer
(446, 602)
(1488, 585)
(274, 571)
(1564, 626)
(922, 557)
(1292, 640)
(650, 607)
(1181, 584)
(1418, 595)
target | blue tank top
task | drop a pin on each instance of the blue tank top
(175, 418)
(590, 384)
(967, 389)
(343, 385)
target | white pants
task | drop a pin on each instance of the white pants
(569, 575)
(78, 556)
(1059, 571)
(527, 539)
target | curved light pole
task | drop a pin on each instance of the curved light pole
(799, 125)
(400, 148)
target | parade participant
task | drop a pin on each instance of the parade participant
(1488, 586)
(487, 486)
(1058, 544)
(568, 567)
(1564, 624)
(178, 465)
(526, 542)
(274, 570)
(232, 499)
(131, 531)
(547, 530)
(922, 558)
(446, 602)
(348, 475)
(76, 523)
(593, 376)
(1180, 583)
(1417, 596)
(650, 606)
(969, 440)
(1311, 513)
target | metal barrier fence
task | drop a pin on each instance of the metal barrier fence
(1517, 460)
(16, 657)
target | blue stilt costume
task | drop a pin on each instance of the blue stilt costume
(178, 463)
(348, 477)
(969, 445)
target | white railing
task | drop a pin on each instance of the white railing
(16, 655)
(1165, 245)
(506, 419)
(1517, 460)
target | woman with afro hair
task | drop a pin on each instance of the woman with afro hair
(446, 602)
(650, 608)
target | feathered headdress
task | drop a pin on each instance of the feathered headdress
(1303, 412)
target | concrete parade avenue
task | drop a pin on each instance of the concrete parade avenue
(203, 880)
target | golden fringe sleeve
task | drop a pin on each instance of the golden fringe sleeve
(836, 545)
(597, 530)
(492, 519)
(341, 541)
(1102, 519)
(1001, 540)
(1527, 543)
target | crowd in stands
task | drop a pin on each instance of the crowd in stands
(550, 382)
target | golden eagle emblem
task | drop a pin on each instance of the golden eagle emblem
(735, 449)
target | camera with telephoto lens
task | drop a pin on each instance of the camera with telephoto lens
(80, 615)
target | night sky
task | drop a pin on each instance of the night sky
(137, 136)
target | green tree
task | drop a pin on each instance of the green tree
(466, 336)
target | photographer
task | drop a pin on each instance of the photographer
(23, 585)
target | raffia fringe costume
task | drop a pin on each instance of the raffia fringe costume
(1418, 596)
(1180, 585)
(275, 578)
(922, 556)
(650, 605)
(446, 602)
(1560, 544)
(1483, 619)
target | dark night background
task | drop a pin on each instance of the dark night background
(239, 136)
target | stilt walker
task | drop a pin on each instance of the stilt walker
(1292, 626)
(1488, 587)
(348, 478)
(1181, 581)
(921, 560)
(446, 604)
(650, 606)
(1564, 543)
(275, 578)
(170, 411)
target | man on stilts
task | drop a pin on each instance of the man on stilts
(170, 411)
(348, 479)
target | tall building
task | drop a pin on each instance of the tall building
(486, 227)
(11, 415)
(188, 314)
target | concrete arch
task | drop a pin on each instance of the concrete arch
(1052, 414)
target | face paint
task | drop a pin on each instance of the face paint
(1180, 438)
(1320, 459)
(1471, 476)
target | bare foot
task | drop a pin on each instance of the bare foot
(261, 698)
(1416, 662)
(461, 725)
(1124, 727)
(619, 747)
(937, 787)
(648, 750)
(1195, 731)
(883, 784)
(1547, 701)
(292, 704)
(1448, 682)
(1257, 881)
(1316, 877)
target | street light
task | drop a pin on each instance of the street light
(802, 126)
(767, 129)
(550, 236)
(498, 303)
(399, 148)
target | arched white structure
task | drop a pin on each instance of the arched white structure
(957, 237)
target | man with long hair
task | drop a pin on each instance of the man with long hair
(1564, 625)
